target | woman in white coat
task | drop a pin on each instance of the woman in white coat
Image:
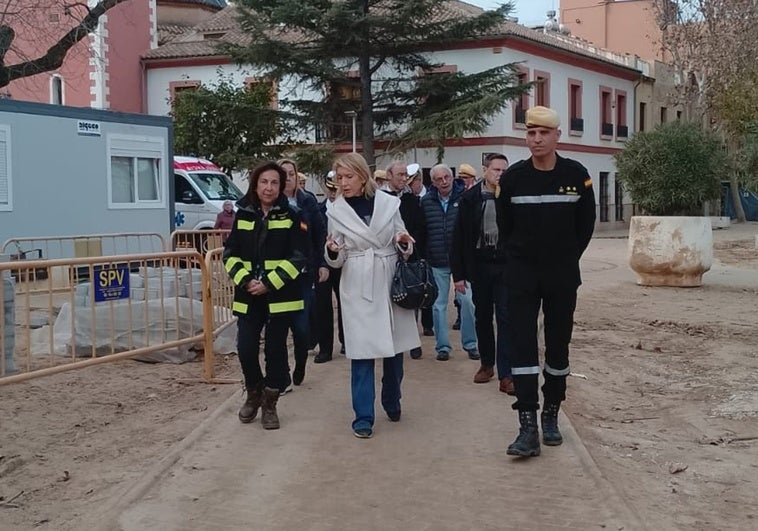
(366, 233)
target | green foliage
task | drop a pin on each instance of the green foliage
(737, 103)
(318, 45)
(746, 164)
(457, 104)
(314, 160)
(673, 169)
(232, 126)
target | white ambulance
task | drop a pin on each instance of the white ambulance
(200, 189)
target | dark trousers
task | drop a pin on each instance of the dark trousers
(489, 294)
(363, 391)
(301, 326)
(427, 319)
(334, 277)
(322, 316)
(249, 329)
(558, 304)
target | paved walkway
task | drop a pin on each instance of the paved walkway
(442, 467)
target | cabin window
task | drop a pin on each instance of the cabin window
(136, 175)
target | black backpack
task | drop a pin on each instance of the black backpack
(413, 285)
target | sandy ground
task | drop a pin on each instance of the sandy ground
(668, 409)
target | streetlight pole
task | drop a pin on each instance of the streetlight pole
(354, 116)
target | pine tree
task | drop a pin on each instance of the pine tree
(370, 57)
(232, 126)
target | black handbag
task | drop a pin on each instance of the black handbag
(413, 285)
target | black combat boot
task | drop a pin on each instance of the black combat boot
(551, 436)
(249, 409)
(269, 418)
(527, 444)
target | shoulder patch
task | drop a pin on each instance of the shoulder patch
(588, 183)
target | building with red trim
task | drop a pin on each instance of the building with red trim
(593, 90)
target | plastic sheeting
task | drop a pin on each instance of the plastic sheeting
(120, 326)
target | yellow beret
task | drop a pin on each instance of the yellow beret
(466, 170)
(380, 175)
(542, 117)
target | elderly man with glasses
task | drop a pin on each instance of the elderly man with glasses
(440, 209)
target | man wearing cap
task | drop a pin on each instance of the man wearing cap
(323, 314)
(546, 216)
(397, 179)
(380, 176)
(477, 257)
(468, 174)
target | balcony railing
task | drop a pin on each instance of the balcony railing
(622, 131)
(520, 116)
(577, 124)
(607, 130)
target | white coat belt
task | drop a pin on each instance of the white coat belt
(364, 262)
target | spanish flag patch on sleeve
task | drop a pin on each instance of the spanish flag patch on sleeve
(303, 226)
(588, 183)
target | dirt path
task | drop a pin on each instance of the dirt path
(669, 408)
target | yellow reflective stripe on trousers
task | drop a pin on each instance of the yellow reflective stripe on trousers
(280, 224)
(245, 225)
(275, 280)
(290, 269)
(280, 307)
(240, 307)
(271, 264)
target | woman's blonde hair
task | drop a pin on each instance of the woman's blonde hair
(356, 164)
(281, 162)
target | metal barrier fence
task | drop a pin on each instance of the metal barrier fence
(218, 297)
(203, 240)
(80, 246)
(125, 306)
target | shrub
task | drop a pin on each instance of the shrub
(673, 169)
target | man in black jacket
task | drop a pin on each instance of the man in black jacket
(476, 257)
(397, 179)
(316, 270)
(322, 324)
(546, 216)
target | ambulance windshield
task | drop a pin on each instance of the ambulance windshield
(216, 186)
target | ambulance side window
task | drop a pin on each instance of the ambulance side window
(183, 191)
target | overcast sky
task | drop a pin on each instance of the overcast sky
(529, 12)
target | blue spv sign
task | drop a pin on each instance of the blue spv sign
(111, 283)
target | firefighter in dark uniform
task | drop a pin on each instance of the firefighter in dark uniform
(265, 255)
(546, 215)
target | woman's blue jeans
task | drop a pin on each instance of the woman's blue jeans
(364, 394)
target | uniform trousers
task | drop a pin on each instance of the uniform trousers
(249, 329)
(558, 304)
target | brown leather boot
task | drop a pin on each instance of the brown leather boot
(249, 409)
(269, 418)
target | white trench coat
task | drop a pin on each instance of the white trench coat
(374, 327)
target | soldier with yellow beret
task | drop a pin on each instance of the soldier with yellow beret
(546, 216)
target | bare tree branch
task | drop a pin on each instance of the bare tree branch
(55, 55)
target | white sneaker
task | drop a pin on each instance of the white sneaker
(286, 390)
